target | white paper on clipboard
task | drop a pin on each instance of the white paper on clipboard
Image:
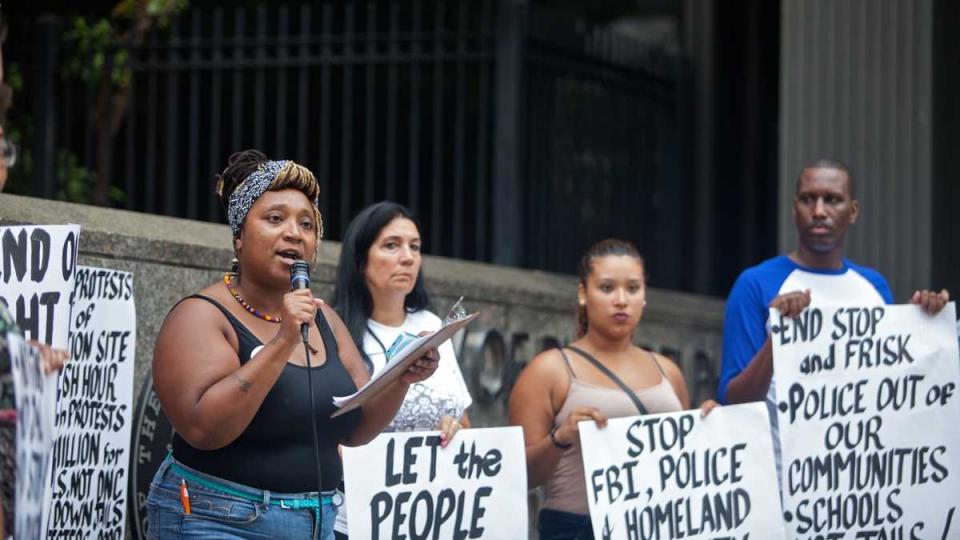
(398, 364)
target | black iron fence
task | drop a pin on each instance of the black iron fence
(518, 135)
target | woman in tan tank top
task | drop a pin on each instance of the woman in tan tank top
(562, 387)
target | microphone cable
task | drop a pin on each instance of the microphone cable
(300, 279)
(316, 439)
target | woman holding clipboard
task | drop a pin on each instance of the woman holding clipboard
(381, 298)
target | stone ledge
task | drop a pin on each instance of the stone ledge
(121, 234)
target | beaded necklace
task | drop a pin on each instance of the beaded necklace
(228, 281)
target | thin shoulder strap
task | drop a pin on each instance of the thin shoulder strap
(613, 377)
(566, 363)
(218, 305)
(327, 334)
(238, 326)
(657, 363)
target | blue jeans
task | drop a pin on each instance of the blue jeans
(216, 514)
(557, 525)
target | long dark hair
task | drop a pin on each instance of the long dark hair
(351, 298)
(610, 246)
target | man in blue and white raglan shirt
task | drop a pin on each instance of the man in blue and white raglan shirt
(815, 273)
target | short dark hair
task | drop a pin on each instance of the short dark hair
(351, 298)
(828, 163)
(603, 248)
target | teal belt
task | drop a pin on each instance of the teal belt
(292, 504)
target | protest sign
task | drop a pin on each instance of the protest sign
(92, 446)
(679, 475)
(404, 485)
(867, 409)
(34, 399)
(37, 264)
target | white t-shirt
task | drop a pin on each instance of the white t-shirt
(445, 393)
(746, 325)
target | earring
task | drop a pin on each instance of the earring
(234, 266)
(644, 303)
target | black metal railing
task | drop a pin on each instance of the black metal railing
(405, 101)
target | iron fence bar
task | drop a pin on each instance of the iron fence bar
(150, 172)
(239, 24)
(90, 134)
(436, 200)
(326, 120)
(346, 148)
(193, 148)
(391, 142)
(320, 60)
(216, 93)
(370, 109)
(303, 87)
(268, 40)
(281, 85)
(259, 79)
(413, 181)
(483, 121)
(171, 187)
(130, 134)
(458, 130)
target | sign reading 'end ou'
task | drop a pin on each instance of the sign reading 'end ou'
(37, 265)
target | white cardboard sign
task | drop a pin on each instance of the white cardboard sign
(679, 475)
(868, 417)
(94, 410)
(406, 485)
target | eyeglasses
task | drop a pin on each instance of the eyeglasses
(9, 152)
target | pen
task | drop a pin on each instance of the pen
(184, 497)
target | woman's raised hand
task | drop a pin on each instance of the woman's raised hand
(448, 427)
(422, 368)
(707, 406)
(568, 433)
(299, 307)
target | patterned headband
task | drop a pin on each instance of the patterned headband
(242, 198)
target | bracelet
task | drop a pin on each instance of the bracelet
(558, 444)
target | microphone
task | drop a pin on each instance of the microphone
(300, 279)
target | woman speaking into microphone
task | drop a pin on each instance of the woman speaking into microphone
(236, 379)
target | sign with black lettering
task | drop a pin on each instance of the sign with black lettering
(93, 418)
(34, 397)
(868, 422)
(404, 485)
(37, 264)
(679, 475)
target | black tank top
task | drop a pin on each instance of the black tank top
(276, 451)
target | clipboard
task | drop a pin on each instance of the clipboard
(398, 364)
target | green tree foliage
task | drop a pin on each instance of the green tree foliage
(99, 53)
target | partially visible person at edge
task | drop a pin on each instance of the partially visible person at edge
(52, 359)
(230, 371)
(816, 272)
(562, 387)
(380, 295)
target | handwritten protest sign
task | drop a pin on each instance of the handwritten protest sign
(678, 475)
(37, 264)
(93, 420)
(868, 418)
(406, 485)
(34, 402)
